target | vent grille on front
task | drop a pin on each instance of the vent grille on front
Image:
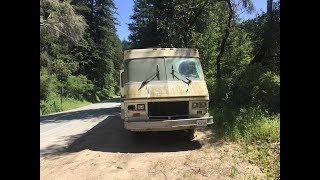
(168, 110)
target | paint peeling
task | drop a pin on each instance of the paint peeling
(166, 89)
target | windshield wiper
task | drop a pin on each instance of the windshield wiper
(156, 74)
(173, 71)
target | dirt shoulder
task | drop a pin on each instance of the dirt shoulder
(108, 151)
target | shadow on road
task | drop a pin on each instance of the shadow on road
(82, 114)
(110, 136)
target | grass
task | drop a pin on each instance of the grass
(256, 131)
(54, 105)
(251, 177)
(233, 171)
(72, 104)
(266, 156)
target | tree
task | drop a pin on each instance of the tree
(267, 36)
(126, 45)
(167, 23)
(248, 5)
(103, 55)
(60, 29)
(259, 82)
(58, 18)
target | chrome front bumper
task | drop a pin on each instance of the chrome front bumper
(168, 125)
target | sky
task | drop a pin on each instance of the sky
(125, 10)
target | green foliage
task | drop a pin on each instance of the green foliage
(60, 29)
(167, 23)
(70, 103)
(257, 86)
(60, 68)
(104, 94)
(48, 84)
(246, 124)
(264, 154)
(258, 31)
(50, 105)
(53, 104)
(207, 42)
(256, 129)
(238, 54)
(58, 19)
(233, 171)
(78, 87)
(79, 51)
(102, 60)
(126, 45)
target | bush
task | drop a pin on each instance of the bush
(78, 87)
(105, 94)
(268, 91)
(256, 130)
(49, 84)
(248, 124)
(211, 86)
(53, 104)
(50, 105)
(253, 124)
(257, 87)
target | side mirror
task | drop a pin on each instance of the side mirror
(121, 82)
(121, 78)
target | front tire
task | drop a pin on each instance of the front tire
(191, 134)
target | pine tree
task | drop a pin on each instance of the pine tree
(100, 60)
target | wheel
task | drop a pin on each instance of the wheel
(191, 134)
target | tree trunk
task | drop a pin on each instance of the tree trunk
(267, 36)
(224, 40)
(185, 40)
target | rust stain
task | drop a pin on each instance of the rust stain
(167, 89)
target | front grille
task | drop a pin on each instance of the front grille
(168, 110)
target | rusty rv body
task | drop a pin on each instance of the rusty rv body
(163, 89)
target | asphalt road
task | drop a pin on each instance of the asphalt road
(59, 130)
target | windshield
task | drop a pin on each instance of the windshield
(187, 67)
(138, 70)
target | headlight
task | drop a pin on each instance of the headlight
(199, 105)
(141, 107)
(202, 105)
(195, 105)
(131, 107)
